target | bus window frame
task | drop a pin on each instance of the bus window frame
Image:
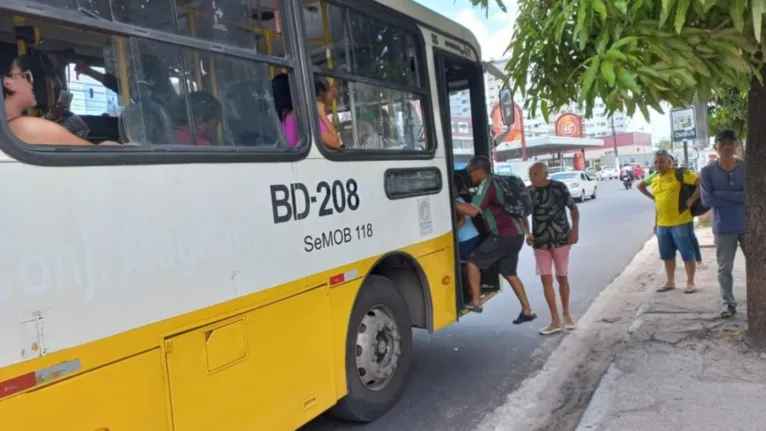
(389, 16)
(53, 155)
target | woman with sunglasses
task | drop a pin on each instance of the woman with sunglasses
(18, 97)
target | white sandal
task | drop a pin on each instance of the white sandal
(551, 329)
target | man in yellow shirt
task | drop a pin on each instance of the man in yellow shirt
(674, 227)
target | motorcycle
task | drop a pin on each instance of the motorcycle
(627, 181)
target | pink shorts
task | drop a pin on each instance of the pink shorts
(558, 256)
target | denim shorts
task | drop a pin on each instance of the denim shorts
(466, 247)
(677, 238)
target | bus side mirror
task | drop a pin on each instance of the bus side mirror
(507, 107)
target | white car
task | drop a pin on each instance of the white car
(581, 185)
(595, 174)
(609, 172)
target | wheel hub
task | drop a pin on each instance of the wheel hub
(378, 348)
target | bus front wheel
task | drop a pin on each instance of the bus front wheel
(378, 352)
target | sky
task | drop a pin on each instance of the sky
(494, 32)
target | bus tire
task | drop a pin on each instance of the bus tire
(378, 352)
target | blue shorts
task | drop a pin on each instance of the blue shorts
(466, 247)
(677, 238)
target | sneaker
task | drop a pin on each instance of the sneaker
(690, 288)
(701, 265)
(729, 311)
(473, 307)
(551, 329)
(569, 324)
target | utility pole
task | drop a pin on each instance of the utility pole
(614, 145)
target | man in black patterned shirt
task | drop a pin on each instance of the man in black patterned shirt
(551, 238)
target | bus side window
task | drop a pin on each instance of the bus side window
(384, 109)
(154, 88)
(244, 89)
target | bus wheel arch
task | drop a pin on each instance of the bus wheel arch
(378, 346)
(409, 278)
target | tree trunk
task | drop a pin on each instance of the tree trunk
(755, 208)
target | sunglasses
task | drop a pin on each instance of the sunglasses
(27, 74)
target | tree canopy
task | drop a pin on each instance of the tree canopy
(632, 55)
(727, 109)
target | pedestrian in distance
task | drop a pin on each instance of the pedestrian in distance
(552, 238)
(723, 188)
(673, 220)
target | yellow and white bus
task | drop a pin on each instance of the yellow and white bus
(209, 273)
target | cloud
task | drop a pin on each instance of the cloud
(493, 33)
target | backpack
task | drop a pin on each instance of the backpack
(516, 198)
(685, 193)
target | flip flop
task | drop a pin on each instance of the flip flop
(524, 318)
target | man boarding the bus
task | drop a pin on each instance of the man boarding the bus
(504, 243)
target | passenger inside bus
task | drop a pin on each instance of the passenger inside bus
(283, 101)
(326, 94)
(19, 96)
(206, 116)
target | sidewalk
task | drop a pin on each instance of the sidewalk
(682, 367)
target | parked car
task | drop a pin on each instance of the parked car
(581, 185)
(609, 172)
(595, 174)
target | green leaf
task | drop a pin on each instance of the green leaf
(644, 111)
(636, 6)
(683, 7)
(758, 8)
(667, 6)
(582, 12)
(708, 4)
(588, 77)
(737, 13)
(601, 42)
(649, 72)
(621, 5)
(545, 112)
(628, 80)
(600, 9)
(614, 54)
(624, 41)
(698, 65)
(607, 71)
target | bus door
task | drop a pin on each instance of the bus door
(466, 133)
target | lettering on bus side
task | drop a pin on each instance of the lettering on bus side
(337, 237)
(291, 202)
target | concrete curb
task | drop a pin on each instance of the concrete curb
(602, 401)
(555, 397)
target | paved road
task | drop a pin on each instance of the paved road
(465, 371)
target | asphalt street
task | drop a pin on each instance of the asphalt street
(463, 372)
